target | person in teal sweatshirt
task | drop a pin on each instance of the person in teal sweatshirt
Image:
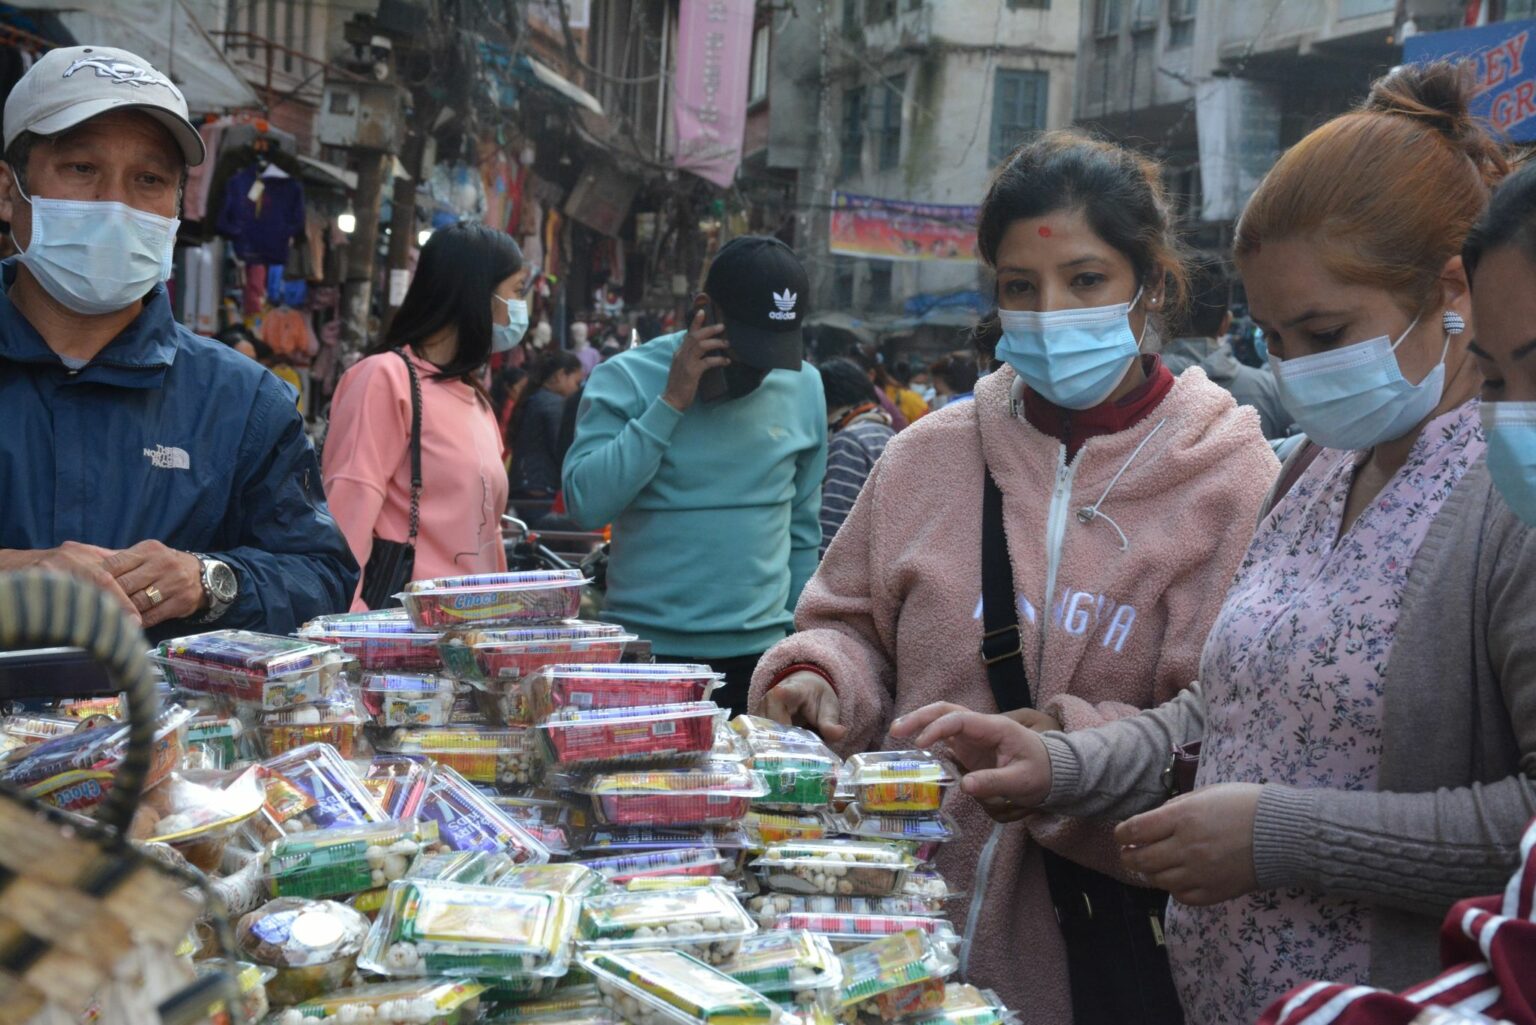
(705, 450)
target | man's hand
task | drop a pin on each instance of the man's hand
(1199, 846)
(1035, 719)
(702, 349)
(1007, 768)
(806, 699)
(176, 579)
(84, 562)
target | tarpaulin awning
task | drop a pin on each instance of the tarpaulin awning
(546, 76)
(165, 33)
(328, 174)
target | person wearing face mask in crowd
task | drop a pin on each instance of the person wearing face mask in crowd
(1367, 696)
(536, 456)
(419, 387)
(1112, 501)
(167, 468)
(582, 349)
(705, 449)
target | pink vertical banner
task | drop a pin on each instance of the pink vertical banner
(714, 54)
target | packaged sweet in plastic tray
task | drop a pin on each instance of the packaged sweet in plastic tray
(667, 987)
(468, 821)
(484, 656)
(334, 721)
(382, 641)
(768, 907)
(906, 963)
(553, 830)
(800, 770)
(310, 788)
(398, 1002)
(698, 861)
(35, 729)
(846, 930)
(554, 687)
(849, 868)
(765, 828)
(214, 742)
(478, 868)
(794, 967)
(713, 793)
(967, 1005)
(505, 756)
(260, 669)
(492, 599)
(708, 922)
(76, 771)
(578, 1006)
(897, 781)
(572, 880)
(929, 828)
(398, 783)
(199, 818)
(436, 928)
(408, 699)
(345, 861)
(313, 944)
(616, 736)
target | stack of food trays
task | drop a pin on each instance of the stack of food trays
(898, 795)
(800, 771)
(495, 662)
(896, 978)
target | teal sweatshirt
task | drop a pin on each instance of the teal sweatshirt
(714, 511)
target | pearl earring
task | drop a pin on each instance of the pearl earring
(1454, 324)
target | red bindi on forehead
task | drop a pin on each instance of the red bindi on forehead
(1044, 230)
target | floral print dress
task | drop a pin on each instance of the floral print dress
(1292, 673)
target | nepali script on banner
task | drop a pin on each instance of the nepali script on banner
(709, 105)
(890, 229)
(1505, 66)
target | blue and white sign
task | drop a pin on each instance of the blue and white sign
(1505, 66)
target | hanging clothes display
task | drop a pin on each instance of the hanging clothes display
(263, 212)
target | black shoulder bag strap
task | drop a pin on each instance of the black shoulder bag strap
(1103, 921)
(410, 368)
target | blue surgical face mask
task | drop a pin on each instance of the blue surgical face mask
(1511, 431)
(506, 336)
(1356, 397)
(96, 257)
(1075, 358)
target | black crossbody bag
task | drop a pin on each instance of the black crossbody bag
(391, 563)
(1116, 958)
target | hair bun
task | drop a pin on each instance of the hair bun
(1439, 96)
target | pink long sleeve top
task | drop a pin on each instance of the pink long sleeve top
(367, 468)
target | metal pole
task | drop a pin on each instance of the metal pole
(357, 292)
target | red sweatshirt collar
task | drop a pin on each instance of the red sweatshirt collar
(1073, 427)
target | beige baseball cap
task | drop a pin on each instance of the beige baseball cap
(71, 85)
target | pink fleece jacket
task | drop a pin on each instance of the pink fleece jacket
(893, 616)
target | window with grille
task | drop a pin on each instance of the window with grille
(1181, 23)
(879, 285)
(853, 132)
(1018, 109)
(887, 124)
(1107, 17)
(1144, 14)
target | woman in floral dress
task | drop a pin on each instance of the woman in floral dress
(1367, 695)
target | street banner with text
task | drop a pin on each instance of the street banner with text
(893, 229)
(1502, 59)
(709, 104)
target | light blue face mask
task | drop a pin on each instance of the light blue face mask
(1356, 397)
(504, 337)
(1075, 358)
(1511, 431)
(97, 257)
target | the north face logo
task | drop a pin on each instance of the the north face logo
(120, 72)
(165, 457)
(785, 301)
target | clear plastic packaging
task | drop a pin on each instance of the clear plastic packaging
(435, 928)
(477, 868)
(768, 907)
(345, 861)
(572, 880)
(398, 783)
(847, 930)
(800, 770)
(891, 968)
(765, 828)
(494, 599)
(547, 821)
(667, 987)
(927, 884)
(725, 839)
(588, 687)
(401, 699)
(714, 793)
(486, 657)
(35, 729)
(213, 742)
(898, 781)
(833, 868)
(335, 720)
(468, 821)
(399, 1002)
(966, 1005)
(313, 944)
(383, 641)
(698, 861)
(791, 967)
(707, 922)
(504, 756)
(198, 819)
(75, 772)
(932, 828)
(620, 736)
(311, 788)
(261, 669)
(582, 1006)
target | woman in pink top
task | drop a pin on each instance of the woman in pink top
(463, 304)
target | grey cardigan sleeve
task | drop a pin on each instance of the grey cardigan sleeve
(1422, 852)
(1116, 770)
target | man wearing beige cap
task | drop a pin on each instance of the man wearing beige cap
(162, 465)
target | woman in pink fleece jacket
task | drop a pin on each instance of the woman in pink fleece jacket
(1128, 500)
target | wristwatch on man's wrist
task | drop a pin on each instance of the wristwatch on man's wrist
(220, 587)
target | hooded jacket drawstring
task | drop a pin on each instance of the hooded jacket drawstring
(1088, 514)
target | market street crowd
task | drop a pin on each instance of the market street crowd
(1239, 665)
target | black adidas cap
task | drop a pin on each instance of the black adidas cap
(761, 290)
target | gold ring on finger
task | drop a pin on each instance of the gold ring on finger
(153, 594)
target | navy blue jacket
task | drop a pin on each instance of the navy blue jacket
(169, 436)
